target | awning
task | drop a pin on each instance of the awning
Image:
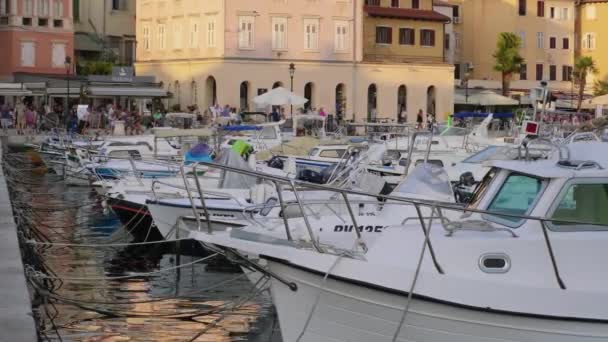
(146, 92)
(463, 115)
(176, 132)
(63, 92)
(84, 42)
(485, 98)
(14, 92)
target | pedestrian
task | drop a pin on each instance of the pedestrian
(136, 128)
(30, 119)
(322, 112)
(419, 119)
(5, 118)
(20, 117)
(275, 114)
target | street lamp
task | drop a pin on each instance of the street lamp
(292, 70)
(465, 82)
(68, 66)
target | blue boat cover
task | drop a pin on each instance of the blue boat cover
(462, 115)
(241, 128)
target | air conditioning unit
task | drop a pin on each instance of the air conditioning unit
(456, 20)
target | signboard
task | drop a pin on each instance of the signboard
(81, 112)
(530, 127)
(122, 74)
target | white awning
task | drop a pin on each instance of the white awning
(63, 92)
(146, 92)
(14, 92)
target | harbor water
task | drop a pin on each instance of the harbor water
(85, 290)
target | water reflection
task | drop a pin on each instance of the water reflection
(176, 305)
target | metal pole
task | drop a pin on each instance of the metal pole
(67, 98)
(291, 106)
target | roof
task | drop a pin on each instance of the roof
(549, 168)
(405, 13)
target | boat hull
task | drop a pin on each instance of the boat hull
(136, 219)
(348, 311)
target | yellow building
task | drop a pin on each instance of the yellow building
(403, 31)
(592, 26)
(547, 31)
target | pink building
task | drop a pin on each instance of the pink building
(36, 37)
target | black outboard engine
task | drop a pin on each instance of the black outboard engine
(463, 190)
(467, 179)
(276, 163)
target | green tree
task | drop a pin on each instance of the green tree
(583, 66)
(508, 59)
(600, 88)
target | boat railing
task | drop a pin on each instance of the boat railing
(438, 210)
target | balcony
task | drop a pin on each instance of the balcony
(393, 58)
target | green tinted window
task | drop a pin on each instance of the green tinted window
(516, 196)
(583, 203)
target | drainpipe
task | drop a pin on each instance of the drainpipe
(354, 67)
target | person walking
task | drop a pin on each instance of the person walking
(30, 119)
(419, 119)
(5, 118)
(20, 117)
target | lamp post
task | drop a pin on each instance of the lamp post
(466, 86)
(68, 66)
(292, 71)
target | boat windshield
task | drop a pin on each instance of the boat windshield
(426, 181)
(268, 132)
(486, 154)
(454, 132)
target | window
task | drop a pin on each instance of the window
(162, 38)
(28, 54)
(565, 14)
(384, 35)
(590, 12)
(446, 43)
(332, 153)
(119, 5)
(246, 32)
(552, 43)
(427, 37)
(407, 36)
(58, 55)
(211, 32)
(522, 7)
(522, 38)
(566, 43)
(311, 34)
(28, 8)
(584, 202)
(552, 72)
(341, 38)
(552, 12)
(540, 40)
(76, 10)
(43, 8)
(372, 2)
(567, 73)
(523, 72)
(539, 72)
(540, 8)
(57, 23)
(193, 43)
(456, 71)
(177, 35)
(58, 8)
(5, 7)
(517, 196)
(456, 11)
(279, 33)
(589, 41)
(146, 37)
(415, 3)
(394, 3)
(456, 40)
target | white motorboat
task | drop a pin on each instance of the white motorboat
(520, 263)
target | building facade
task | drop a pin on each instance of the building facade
(36, 36)
(592, 26)
(230, 51)
(546, 28)
(104, 27)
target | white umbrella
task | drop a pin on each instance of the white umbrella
(600, 100)
(490, 98)
(279, 97)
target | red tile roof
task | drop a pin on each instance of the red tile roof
(405, 13)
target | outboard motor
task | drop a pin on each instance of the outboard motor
(276, 163)
(463, 190)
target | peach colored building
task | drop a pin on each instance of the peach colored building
(228, 52)
(36, 37)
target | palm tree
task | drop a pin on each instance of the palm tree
(583, 66)
(508, 59)
(600, 88)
